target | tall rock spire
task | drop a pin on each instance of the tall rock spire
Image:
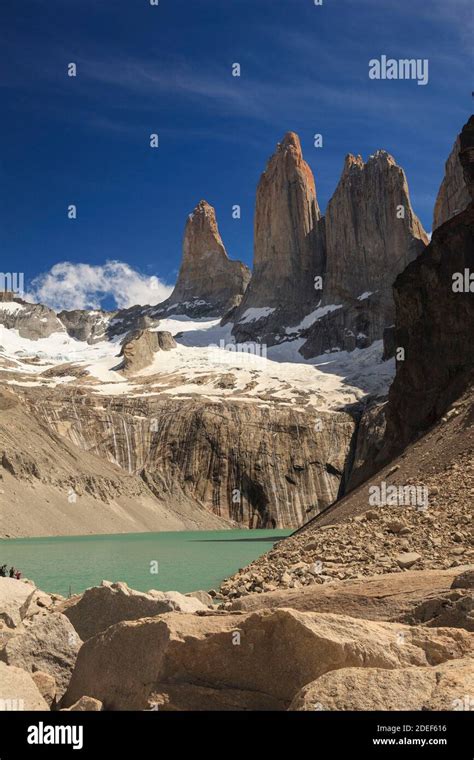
(208, 281)
(286, 252)
(372, 232)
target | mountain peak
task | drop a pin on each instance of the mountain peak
(367, 243)
(352, 161)
(208, 280)
(291, 140)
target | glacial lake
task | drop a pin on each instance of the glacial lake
(186, 561)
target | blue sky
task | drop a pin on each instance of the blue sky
(144, 69)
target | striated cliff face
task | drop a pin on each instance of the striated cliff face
(453, 195)
(288, 248)
(260, 467)
(435, 323)
(208, 281)
(49, 486)
(367, 244)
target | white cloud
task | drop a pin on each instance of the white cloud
(82, 286)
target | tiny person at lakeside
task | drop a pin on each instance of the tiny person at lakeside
(3, 571)
(17, 575)
(12, 572)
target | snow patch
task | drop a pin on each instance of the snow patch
(254, 314)
(11, 307)
(310, 319)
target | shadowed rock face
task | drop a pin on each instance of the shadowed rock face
(208, 281)
(90, 326)
(453, 195)
(434, 324)
(288, 252)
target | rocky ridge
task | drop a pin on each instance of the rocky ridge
(366, 238)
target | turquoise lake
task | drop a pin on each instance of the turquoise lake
(186, 561)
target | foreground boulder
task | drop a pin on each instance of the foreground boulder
(15, 597)
(445, 687)
(48, 643)
(431, 597)
(46, 685)
(464, 580)
(101, 606)
(256, 661)
(18, 691)
(84, 704)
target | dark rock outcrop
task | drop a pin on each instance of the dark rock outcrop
(356, 323)
(89, 326)
(140, 346)
(435, 324)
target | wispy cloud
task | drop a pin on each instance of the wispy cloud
(83, 286)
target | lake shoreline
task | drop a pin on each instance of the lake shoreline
(183, 561)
